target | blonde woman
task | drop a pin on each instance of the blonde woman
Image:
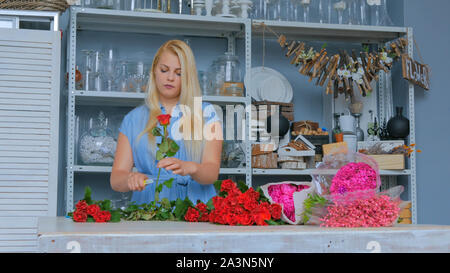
(172, 89)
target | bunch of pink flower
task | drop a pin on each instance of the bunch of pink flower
(353, 177)
(378, 211)
(284, 194)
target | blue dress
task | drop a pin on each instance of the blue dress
(183, 186)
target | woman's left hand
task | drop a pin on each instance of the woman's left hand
(177, 166)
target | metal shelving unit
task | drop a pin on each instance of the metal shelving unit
(144, 23)
(229, 28)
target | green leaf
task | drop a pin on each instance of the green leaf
(156, 131)
(173, 146)
(115, 216)
(164, 147)
(218, 185)
(210, 204)
(105, 204)
(272, 222)
(324, 45)
(165, 203)
(170, 154)
(262, 197)
(159, 188)
(181, 207)
(168, 183)
(242, 186)
(90, 219)
(87, 195)
(159, 155)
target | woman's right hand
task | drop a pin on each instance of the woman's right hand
(135, 181)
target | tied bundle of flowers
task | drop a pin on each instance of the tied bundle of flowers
(284, 194)
(354, 177)
(377, 211)
(87, 210)
(236, 205)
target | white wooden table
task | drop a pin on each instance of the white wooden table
(60, 234)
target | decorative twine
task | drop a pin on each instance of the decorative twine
(264, 26)
(421, 60)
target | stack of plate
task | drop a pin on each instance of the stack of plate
(264, 83)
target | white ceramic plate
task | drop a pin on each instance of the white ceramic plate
(277, 89)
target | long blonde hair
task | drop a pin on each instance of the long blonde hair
(190, 88)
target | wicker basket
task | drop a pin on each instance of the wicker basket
(48, 5)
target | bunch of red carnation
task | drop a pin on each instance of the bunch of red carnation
(233, 207)
(90, 213)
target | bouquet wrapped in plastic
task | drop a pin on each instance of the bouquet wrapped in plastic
(356, 172)
(290, 195)
(351, 196)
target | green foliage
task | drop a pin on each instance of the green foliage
(313, 200)
(275, 222)
(168, 183)
(156, 131)
(365, 48)
(262, 197)
(218, 185)
(181, 207)
(159, 155)
(242, 186)
(87, 195)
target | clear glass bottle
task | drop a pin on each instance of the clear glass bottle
(339, 8)
(274, 10)
(305, 4)
(97, 145)
(87, 68)
(110, 70)
(379, 13)
(337, 127)
(123, 78)
(324, 11)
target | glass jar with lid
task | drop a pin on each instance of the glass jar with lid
(97, 144)
(229, 65)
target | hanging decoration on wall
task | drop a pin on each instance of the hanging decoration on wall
(415, 72)
(340, 71)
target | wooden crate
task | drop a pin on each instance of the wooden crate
(389, 162)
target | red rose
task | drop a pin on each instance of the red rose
(231, 219)
(81, 206)
(250, 204)
(163, 119)
(93, 209)
(231, 201)
(204, 217)
(202, 207)
(275, 211)
(260, 214)
(228, 186)
(192, 215)
(102, 216)
(246, 219)
(217, 202)
(79, 216)
(251, 193)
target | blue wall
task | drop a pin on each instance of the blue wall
(430, 21)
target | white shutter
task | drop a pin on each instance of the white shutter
(29, 134)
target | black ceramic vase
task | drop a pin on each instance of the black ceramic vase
(398, 126)
(283, 125)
